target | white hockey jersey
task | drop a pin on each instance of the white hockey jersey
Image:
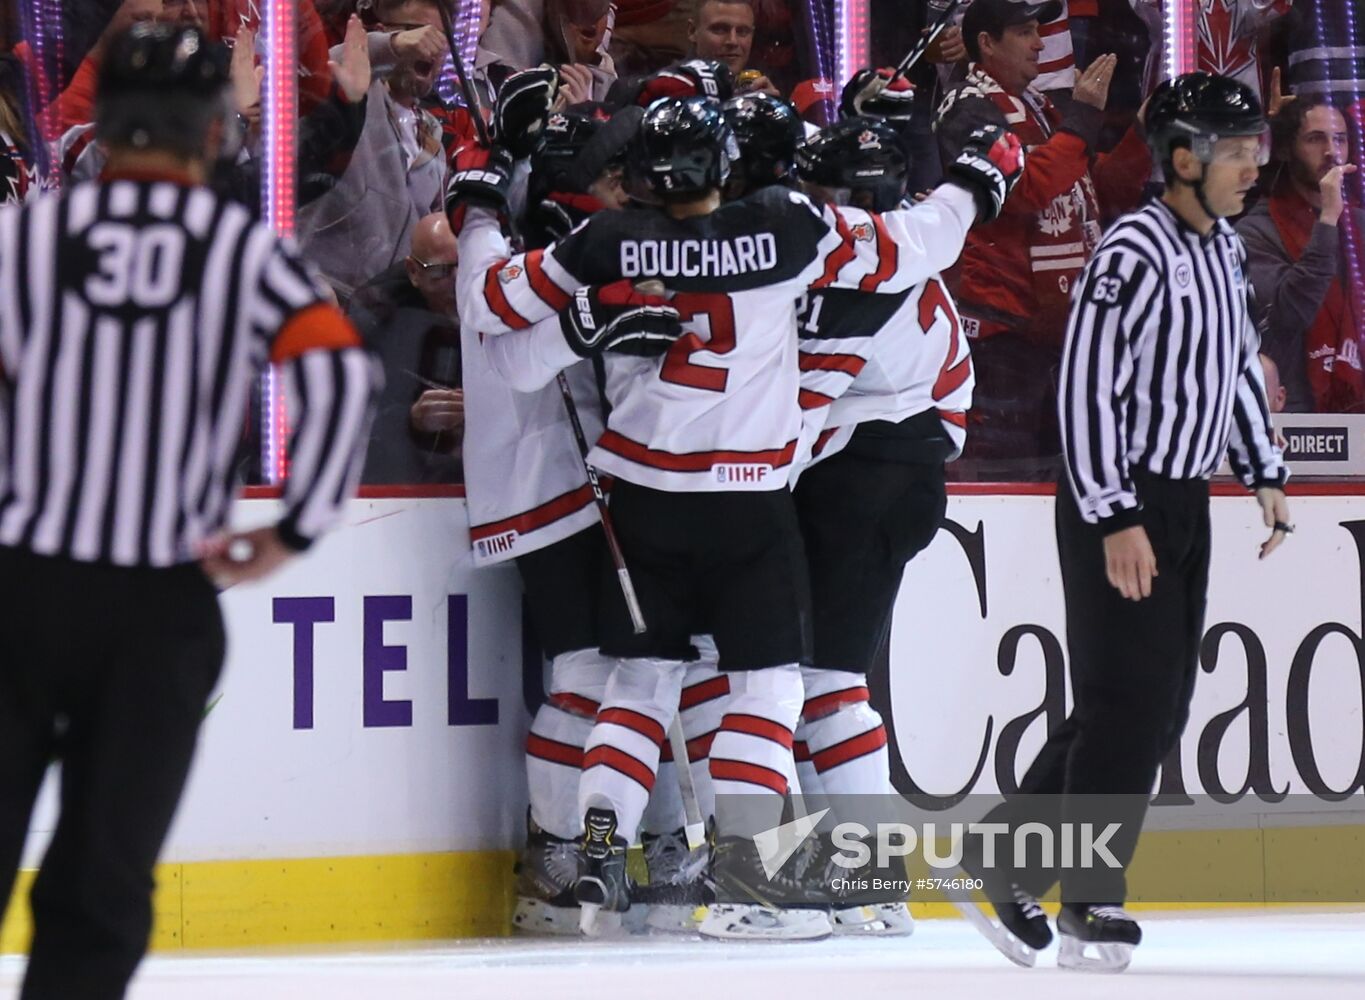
(524, 480)
(719, 411)
(883, 357)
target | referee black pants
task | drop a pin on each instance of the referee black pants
(105, 670)
(1133, 666)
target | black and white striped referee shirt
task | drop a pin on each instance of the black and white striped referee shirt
(1160, 370)
(134, 317)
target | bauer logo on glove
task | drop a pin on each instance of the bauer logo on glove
(990, 164)
(619, 317)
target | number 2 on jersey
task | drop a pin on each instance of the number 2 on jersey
(718, 314)
(932, 301)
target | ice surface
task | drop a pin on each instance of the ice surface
(1208, 956)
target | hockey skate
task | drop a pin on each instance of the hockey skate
(875, 912)
(746, 907)
(1097, 938)
(679, 888)
(603, 888)
(874, 920)
(1020, 930)
(546, 872)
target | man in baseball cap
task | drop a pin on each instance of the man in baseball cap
(994, 18)
(1017, 272)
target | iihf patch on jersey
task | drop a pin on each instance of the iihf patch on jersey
(509, 274)
(741, 472)
(496, 544)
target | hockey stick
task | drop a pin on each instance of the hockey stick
(695, 827)
(471, 96)
(917, 51)
(618, 559)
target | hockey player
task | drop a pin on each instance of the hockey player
(530, 501)
(885, 381)
(895, 404)
(558, 544)
(701, 444)
(769, 132)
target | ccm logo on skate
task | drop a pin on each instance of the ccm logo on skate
(307, 615)
(741, 473)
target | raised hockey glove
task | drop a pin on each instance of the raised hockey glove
(693, 78)
(870, 93)
(990, 164)
(480, 177)
(619, 317)
(524, 105)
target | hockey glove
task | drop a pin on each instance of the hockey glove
(990, 164)
(480, 177)
(869, 93)
(618, 317)
(524, 105)
(693, 78)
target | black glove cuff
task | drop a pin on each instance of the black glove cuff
(983, 192)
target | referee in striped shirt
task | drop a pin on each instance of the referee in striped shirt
(135, 315)
(1160, 380)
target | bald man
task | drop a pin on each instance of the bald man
(431, 265)
(408, 317)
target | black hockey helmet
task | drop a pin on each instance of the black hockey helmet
(768, 130)
(684, 147)
(159, 87)
(1195, 110)
(578, 144)
(860, 155)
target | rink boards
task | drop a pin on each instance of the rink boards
(360, 776)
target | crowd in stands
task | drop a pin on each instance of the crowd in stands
(380, 115)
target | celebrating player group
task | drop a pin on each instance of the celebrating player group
(713, 374)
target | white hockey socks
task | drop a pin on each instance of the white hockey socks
(554, 746)
(843, 735)
(621, 758)
(752, 752)
(701, 706)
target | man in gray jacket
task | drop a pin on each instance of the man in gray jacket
(397, 173)
(1304, 255)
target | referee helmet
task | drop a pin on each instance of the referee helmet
(1195, 110)
(162, 87)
